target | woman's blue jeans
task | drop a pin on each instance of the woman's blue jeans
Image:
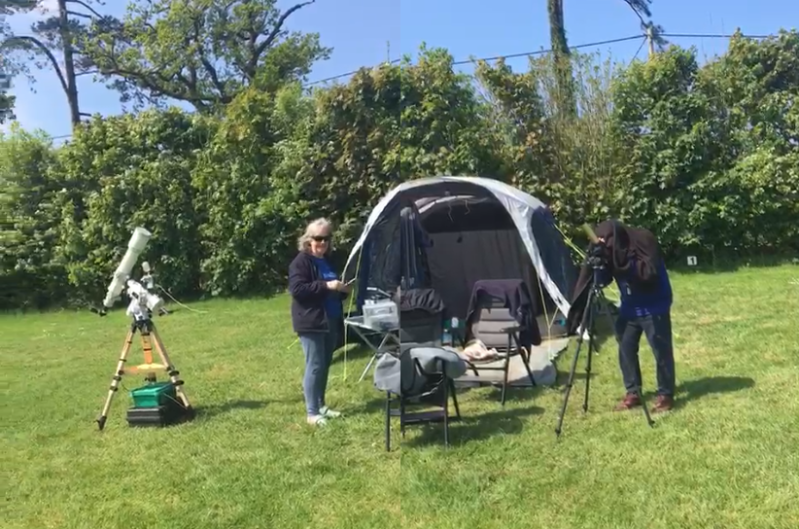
(318, 348)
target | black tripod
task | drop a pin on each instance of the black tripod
(593, 304)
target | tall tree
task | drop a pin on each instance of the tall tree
(567, 104)
(560, 49)
(202, 52)
(57, 34)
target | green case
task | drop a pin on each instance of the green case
(153, 395)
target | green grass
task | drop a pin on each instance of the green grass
(728, 457)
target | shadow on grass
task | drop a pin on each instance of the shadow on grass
(515, 393)
(696, 389)
(218, 409)
(469, 429)
(358, 352)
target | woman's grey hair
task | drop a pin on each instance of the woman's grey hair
(315, 227)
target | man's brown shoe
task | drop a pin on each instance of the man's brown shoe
(663, 403)
(629, 402)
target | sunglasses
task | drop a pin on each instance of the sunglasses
(321, 238)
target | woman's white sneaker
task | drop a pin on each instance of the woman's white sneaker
(330, 414)
(317, 420)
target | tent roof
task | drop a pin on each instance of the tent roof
(425, 190)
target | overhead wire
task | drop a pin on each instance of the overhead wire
(527, 54)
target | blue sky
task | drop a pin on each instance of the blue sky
(364, 32)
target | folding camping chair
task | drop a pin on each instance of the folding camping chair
(421, 327)
(498, 329)
(423, 388)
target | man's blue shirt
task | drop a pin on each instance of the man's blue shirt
(635, 303)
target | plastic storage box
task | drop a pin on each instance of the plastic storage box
(154, 395)
(381, 314)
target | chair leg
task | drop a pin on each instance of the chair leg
(474, 368)
(506, 369)
(455, 399)
(402, 418)
(446, 408)
(526, 360)
(388, 421)
(505, 381)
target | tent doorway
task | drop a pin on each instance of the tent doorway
(474, 239)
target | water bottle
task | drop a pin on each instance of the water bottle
(446, 339)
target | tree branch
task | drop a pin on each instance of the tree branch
(209, 68)
(85, 6)
(261, 48)
(145, 80)
(635, 10)
(76, 14)
(37, 43)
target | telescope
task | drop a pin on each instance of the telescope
(137, 242)
(141, 299)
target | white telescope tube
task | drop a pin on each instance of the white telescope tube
(137, 243)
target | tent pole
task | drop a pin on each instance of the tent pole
(349, 309)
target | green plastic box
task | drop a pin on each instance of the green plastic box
(154, 395)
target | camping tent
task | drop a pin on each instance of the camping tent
(447, 232)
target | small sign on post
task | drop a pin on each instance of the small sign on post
(691, 260)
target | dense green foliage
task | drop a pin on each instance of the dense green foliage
(705, 155)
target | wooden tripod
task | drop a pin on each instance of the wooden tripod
(149, 338)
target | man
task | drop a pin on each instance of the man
(635, 262)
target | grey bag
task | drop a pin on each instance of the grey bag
(400, 376)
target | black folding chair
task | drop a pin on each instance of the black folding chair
(421, 327)
(435, 392)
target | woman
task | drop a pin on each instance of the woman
(316, 314)
(636, 264)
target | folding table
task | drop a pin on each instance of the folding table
(389, 338)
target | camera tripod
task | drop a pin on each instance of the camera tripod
(595, 302)
(149, 339)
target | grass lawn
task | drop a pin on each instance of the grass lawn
(728, 457)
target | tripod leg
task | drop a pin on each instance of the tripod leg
(648, 417)
(570, 383)
(588, 364)
(120, 370)
(170, 369)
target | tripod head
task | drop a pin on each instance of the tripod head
(596, 257)
(142, 302)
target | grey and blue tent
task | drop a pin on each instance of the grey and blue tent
(448, 232)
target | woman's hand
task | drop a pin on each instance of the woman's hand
(334, 284)
(338, 286)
